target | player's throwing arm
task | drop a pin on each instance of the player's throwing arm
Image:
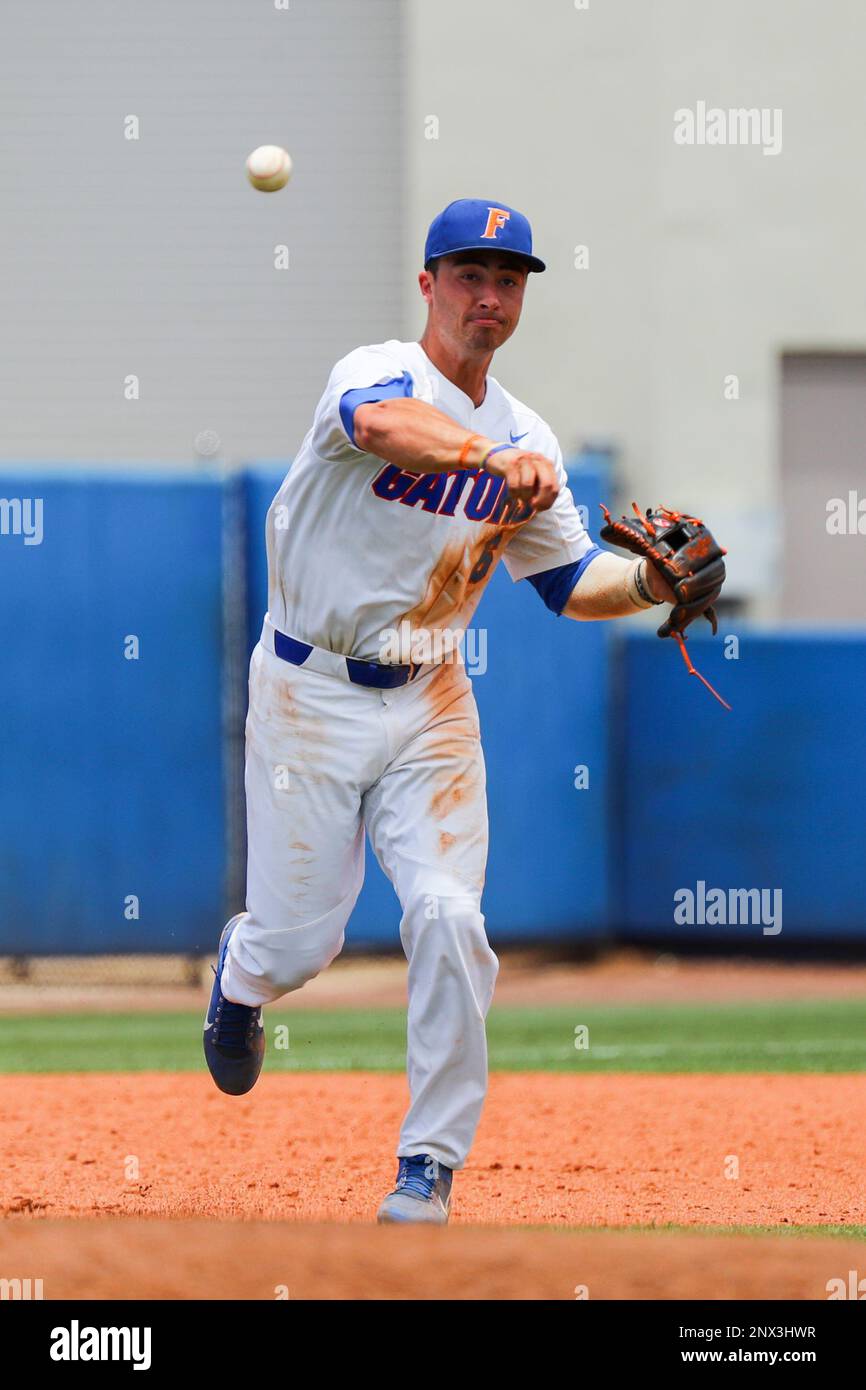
(418, 437)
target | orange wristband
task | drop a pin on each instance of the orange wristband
(467, 446)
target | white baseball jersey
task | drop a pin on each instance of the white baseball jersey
(358, 547)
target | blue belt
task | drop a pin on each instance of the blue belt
(369, 673)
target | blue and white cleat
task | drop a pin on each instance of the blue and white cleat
(422, 1194)
(234, 1039)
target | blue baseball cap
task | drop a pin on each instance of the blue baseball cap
(480, 224)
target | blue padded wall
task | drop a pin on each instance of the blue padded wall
(770, 795)
(112, 774)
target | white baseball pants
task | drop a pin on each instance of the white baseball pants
(325, 759)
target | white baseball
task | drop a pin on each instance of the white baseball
(269, 168)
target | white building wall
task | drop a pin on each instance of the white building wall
(154, 257)
(704, 261)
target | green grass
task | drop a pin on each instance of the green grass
(853, 1232)
(827, 1036)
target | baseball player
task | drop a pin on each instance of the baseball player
(419, 473)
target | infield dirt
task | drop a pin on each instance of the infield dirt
(596, 1150)
(129, 1259)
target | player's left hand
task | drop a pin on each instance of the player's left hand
(684, 562)
(658, 585)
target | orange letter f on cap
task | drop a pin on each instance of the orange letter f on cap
(496, 218)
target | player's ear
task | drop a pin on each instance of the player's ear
(425, 281)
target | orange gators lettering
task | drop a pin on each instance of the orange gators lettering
(496, 218)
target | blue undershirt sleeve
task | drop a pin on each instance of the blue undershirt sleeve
(350, 400)
(555, 586)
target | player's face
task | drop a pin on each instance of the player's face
(476, 302)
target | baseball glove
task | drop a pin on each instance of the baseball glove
(686, 555)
